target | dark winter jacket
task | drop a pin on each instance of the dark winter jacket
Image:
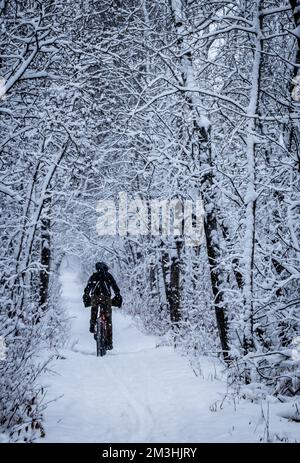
(101, 282)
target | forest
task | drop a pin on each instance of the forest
(155, 100)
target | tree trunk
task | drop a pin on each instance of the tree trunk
(251, 195)
(202, 134)
(45, 254)
(295, 5)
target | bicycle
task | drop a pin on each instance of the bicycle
(101, 326)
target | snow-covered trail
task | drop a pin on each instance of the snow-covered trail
(136, 393)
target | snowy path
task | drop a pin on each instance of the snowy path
(138, 392)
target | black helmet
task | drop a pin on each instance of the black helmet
(101, 266)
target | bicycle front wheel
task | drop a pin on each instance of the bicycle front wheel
(101, 338)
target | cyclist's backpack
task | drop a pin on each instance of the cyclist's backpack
(101, 289)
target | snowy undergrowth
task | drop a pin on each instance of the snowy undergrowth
(22, 418)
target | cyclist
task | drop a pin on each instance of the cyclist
(98, 293)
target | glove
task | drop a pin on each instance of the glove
(117, 300)
(87, 300)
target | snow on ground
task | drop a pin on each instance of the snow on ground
(142, 393)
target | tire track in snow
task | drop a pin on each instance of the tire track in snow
(143, 419)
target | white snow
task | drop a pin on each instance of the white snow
(296, 31)
(143, 393)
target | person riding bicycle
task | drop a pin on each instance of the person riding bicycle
(98, 293)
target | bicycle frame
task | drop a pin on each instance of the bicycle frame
(101, 333)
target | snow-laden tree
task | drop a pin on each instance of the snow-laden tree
(42, 136)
